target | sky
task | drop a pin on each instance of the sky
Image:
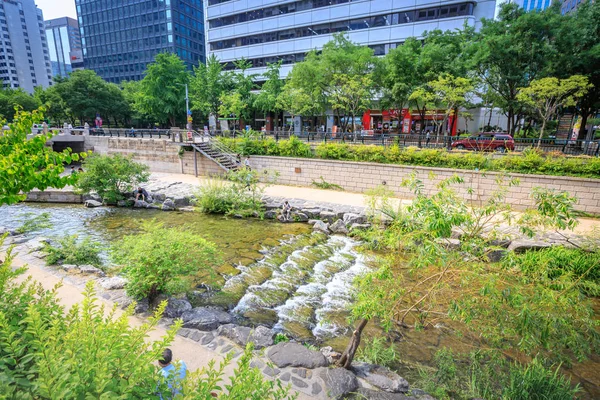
(57, 8)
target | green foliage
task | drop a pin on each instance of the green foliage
(326, 185)
(529, 162)
(161, 260)
(27, 164)
(34, 222)
(377, 351)
(11, 99)
(247, 383)
(444, 381)
(241, 194)
(69, 250)
(207, 86)
(111, 176)
(162, 91)
(281, 338)
(534, 381)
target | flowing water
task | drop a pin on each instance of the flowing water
(277, 274)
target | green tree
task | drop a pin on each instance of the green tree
(27, 164)
(161, 260)
(54, 105)
(295, 101)
(524, 38)
(10, 99)
(84, 94)
(351, 95)
(207, 85)
(119, 108)
(243, 85)
(546, 95)
(266, 100)
(233, 105)
(112, 177)
(162, 91)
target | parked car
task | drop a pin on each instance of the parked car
(486, 141)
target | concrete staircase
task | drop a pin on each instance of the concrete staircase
(219, 153)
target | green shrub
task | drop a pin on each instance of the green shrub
(161, 260)
(530, 161)
(281, 338)
(377, 351)
(34, 222)
(536, 382)
(241, 195)
(68, 250)
(111, 176)
(326, 185)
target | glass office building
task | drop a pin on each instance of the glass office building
(24, 58)
(64, 45)
(121, 37)
(267, 31)
(530, 5)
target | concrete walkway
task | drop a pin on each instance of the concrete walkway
(586, 225)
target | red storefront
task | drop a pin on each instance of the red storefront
(403, 121)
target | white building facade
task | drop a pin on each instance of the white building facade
(265, 31)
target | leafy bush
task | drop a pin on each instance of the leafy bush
(34, 223)
(161, 260)
(326, 185)
(534, 381)
(241, 195)
(377, 351)
(281, 338)
(111, 176)
(68, 250)
(47, 352)
(529, 161)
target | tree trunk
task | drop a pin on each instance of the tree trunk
(345, 360)
(541, 133)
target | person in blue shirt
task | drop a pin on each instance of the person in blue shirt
(172, 373)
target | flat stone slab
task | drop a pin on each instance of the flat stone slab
(522, 245)
(205, 319)
(381, 377)
(295, 355)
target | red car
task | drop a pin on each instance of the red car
(486, 142)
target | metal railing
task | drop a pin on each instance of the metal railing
(131, 133)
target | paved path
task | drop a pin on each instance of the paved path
(330, 196)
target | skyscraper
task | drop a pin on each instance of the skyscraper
(121, 37)
(64, 45)
(286, 30)
(24, 59)
(530, 5)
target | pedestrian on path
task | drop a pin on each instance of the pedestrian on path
(172, 373)
(247, 163)
(427, 138)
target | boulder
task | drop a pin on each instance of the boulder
(158, 196)
(338, 382)
(364, 393)
(449, 243)
(312, 221)
(520, 246)
(205, 319)
(154, 206)
(176, 307)
(114, 283)
(69, 267)
(381, 377)
(91, 196)
(299, 217)
(330, 355)
(122, 203)
(288, 354)
(311, 212)
(91, 270)
(261, 336)
(351, 218)
(181, 201)
(271, 214)
(359, 227)
(496, 255)
(327, 216)
(37, 244)
(140, 204)
(339, 227)
(321, 226)
(142, 306)
(168, 205)
(92, 203)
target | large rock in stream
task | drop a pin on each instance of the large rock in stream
(205, 319)
(381, 377)
(176, 307)
(338, 382)
(295, 355)
(261, 336)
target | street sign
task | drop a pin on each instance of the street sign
(189, 119)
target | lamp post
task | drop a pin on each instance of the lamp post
(188, 113)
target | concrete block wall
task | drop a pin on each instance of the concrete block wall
(360, 176)
(54, 196)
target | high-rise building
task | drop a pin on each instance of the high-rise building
(121, 37)
(24, 59)
(531, 5)
(64, 45)
(570, 5)
(267, 31)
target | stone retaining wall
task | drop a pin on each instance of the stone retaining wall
(54, 196)
(361, 176)
(159, 154)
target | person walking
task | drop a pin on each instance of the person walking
(247, 163)
(172, 373)
(427, 138)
